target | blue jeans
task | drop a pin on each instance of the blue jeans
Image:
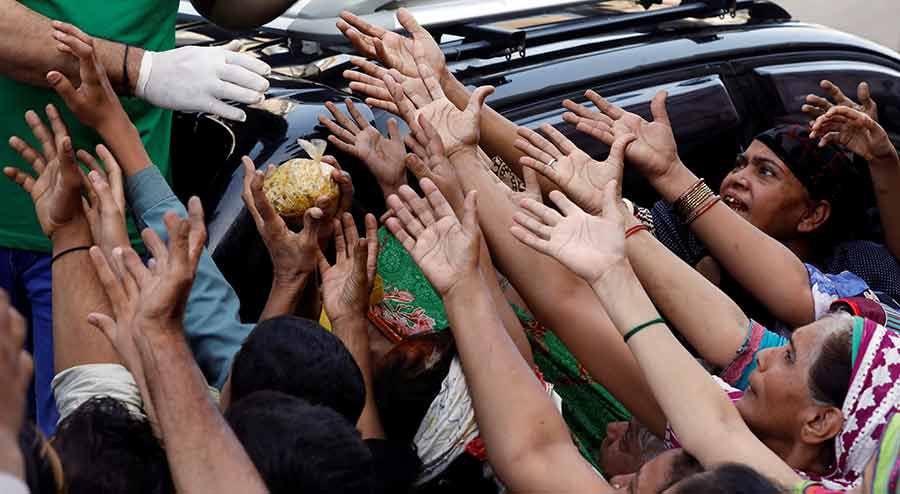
(25, 275)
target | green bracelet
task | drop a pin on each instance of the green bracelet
(637, 329)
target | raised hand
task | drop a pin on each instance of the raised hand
(854, 130)
(293, 254)
(356, 137)
(370, 83)
(392, 49)
(94, 102)
(346, 286)
(654, 151)
(429, 160)
(15, 376)
(56, 192)
(445, 249)
(459, 130)
(817, 106)
(105, 205)
(578, 175)
(586, 244)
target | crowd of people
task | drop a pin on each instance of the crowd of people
(534, 334)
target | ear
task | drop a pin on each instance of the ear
(817, 213)
(820, 423)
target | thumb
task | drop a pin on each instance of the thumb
(658, 108)
(863, 93)
(312, 219)
(417, 166)
(617, 150)
(476, 101)
(105, 324)
(61, 84)
(611, 201)
(532, 183)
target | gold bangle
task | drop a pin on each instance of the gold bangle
(697, 196)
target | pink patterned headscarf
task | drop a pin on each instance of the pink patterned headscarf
(873, 397)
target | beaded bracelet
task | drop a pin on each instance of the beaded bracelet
(637, 329)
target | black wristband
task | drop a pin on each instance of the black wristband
(126, 84)
(69, 251)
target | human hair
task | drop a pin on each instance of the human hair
(729, 478)
(39, 474)
(104, 448)
(829, 373)
(299, 357)
(300, 447)
(408, 378)
(684, 465)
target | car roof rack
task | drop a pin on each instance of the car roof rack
(482, 32)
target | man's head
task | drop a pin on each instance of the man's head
(300, 447)
(106, 449)
(789, 187)
(627, 446)
(300, 358)
(658, 474)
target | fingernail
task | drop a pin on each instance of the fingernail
(92, 319)
(67, 144)
(117, 251)
(94, 176)
(243, 117)
(53, 77)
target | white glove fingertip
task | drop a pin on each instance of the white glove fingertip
(248, 62)
(226, 111)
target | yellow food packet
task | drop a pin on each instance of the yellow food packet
(296, 185)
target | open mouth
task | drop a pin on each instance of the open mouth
(734, 203)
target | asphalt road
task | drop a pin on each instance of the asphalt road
(877, 20)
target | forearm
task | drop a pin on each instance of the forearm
(76, 292)
(284, 297)
(886, 181)
(753, 258)
(28, 50)
(204, 455)
(507, 315)
(124, 141)
(353, 333)
(562, 301)
(11, 460)
(708, 318)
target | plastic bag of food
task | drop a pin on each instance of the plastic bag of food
(297, 184)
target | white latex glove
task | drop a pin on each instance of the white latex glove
(194, 78)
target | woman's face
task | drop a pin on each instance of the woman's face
(763, 190)
(779, 386)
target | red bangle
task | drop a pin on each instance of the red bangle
(636, 228)
(700, 212)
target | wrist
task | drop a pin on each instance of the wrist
(614, 275)
(289, 280)
(133, 68)
(388, 189)
(75, 233)
(468, 285)
(674, 182)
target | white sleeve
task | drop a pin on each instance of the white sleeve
(12, 485)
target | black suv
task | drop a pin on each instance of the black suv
(732, 68)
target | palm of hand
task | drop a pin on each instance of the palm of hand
(292, 253)
(865, 143)
(583, 178)
(588, 245)
(384, 156)
(56, 195)
(654, 149)
(401, 53)
(444, 251)
(458, 129)
(162, 300)
(345, 292)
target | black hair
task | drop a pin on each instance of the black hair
(683, 466)
(105, 449)
(408, 378)
(300, 447)
(39, 474)
(729, 479)
(298, 357)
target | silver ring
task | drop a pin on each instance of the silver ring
(552, 162)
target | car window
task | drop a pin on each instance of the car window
(704, 119)
(792, 82)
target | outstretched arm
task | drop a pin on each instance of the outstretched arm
(752, 257)
(527, 441)
(708, 425)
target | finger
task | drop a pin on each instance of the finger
(367, 85)
(233, 92)
(581, 111)
(617, 150)
(834, 92)
(156, 246)
(351, 235)
(178, 230)
(420, 207)
(369, 68)
(530, 239)
(247, 192)
(342, 146)
(417, 166)
(476, 102)
(432, 84)
(312, 221)
(526, 146)
(364, 44)
(386, 105)
(563, 203)
(605, 107)
(658, 108)
(105, 325)
(28, 154)
(135, 274)
(113, 287)
(415, 146)
(113, 174)
(197, 232)
(322, 262)
(540, 142)
(43, 135)
(818, 102)
(610, 202)
(361, 25)
(812, 111)
(63, 87)
(244, 78)
(433, 142)
(403, 211)
(404, 105)
(437, 200)
(532, 183)
(558, 139)
(266, 212)
(395, 226)
(18, 176)
(408, 21)
(345, 188)
(340, 243)
(864, 94)
(534, 226)
(342, 118)
(547, 215)
(356, 114)
(59, 127)
(597, 132)
(536, 166)
(248, 62)
(224, 110)
(394, 129)
(831, 138)
(18, 328)
(371, 247)
(91, 162)
(120, 265)
(338, 131)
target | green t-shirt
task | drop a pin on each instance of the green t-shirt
(149, 24)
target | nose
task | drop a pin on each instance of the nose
(762, 359)
(739, 178)
(620, 481)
